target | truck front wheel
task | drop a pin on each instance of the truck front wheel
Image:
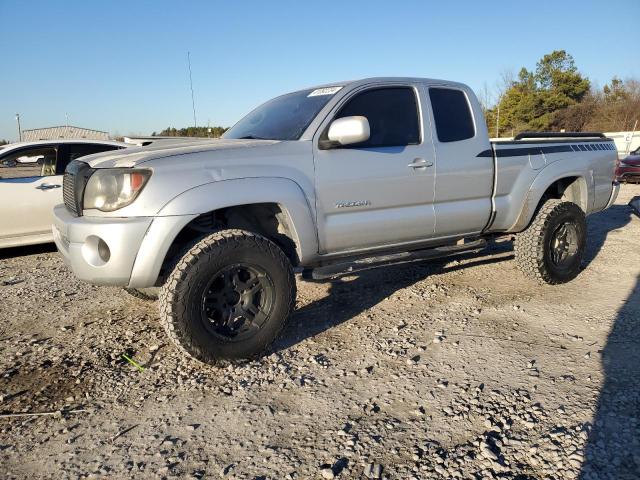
(551, 249)
(228, 297)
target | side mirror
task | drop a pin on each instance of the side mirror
(349, 130)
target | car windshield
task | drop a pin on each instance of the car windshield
(283, 118)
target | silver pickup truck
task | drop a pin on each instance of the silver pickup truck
(326, 181)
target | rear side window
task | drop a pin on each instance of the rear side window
(392, 114)
(452, 114)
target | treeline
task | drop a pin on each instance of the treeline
(556, 96)
(213, 132)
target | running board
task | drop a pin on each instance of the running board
(354, 266)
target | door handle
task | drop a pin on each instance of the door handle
(420, 163)
(47, 186)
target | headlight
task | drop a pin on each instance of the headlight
(110, 189)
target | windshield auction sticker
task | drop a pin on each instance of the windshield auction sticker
(324, 91)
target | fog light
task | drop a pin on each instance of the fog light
(103, 251)
(95, 251)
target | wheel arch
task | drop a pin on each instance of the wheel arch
(273, 207)
(568, 186)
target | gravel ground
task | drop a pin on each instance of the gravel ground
(458, 369)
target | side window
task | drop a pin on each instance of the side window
(77, 150)
(28, 162)
(392, 114)
(452, 114)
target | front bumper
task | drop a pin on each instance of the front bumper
(137, 246)
(79, 241)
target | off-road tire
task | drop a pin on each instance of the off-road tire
(180, 296)
(533, 245)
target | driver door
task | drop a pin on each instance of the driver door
(378, 192)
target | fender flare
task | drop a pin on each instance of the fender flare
(251, 190)
(183, 208)
(547, 177)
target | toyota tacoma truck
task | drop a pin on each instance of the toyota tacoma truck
(324, 181)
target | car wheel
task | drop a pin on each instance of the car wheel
(551, 249)
(228, 297)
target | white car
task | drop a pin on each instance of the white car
(31, 185)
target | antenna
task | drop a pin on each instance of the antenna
(19, 129)
(193, 102)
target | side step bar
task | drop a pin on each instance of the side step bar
(354, 266)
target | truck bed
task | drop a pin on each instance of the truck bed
(520, 161)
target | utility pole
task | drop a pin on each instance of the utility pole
(193, 102)
(19, 129)
(633, 132)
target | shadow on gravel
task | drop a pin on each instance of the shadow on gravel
(13, 252)
(613, 447)
(600, 225)
(347, 299)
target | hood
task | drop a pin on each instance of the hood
(130, 157)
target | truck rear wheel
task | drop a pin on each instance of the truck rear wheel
(551, 249)
(228, 297)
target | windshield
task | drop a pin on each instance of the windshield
(283, 118)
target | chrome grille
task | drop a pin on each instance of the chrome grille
(68, 192)
(74, 181)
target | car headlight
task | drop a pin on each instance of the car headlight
(110, 189)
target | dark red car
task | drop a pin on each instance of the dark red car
(628, 169)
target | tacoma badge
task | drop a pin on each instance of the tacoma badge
(355, 203)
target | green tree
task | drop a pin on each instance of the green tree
(532, 100)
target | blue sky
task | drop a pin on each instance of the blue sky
(122, 66)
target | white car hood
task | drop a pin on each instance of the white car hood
(130, 157)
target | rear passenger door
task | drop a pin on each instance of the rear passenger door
(464, 164)
(379, 191)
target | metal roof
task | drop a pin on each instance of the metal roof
(63, 131)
